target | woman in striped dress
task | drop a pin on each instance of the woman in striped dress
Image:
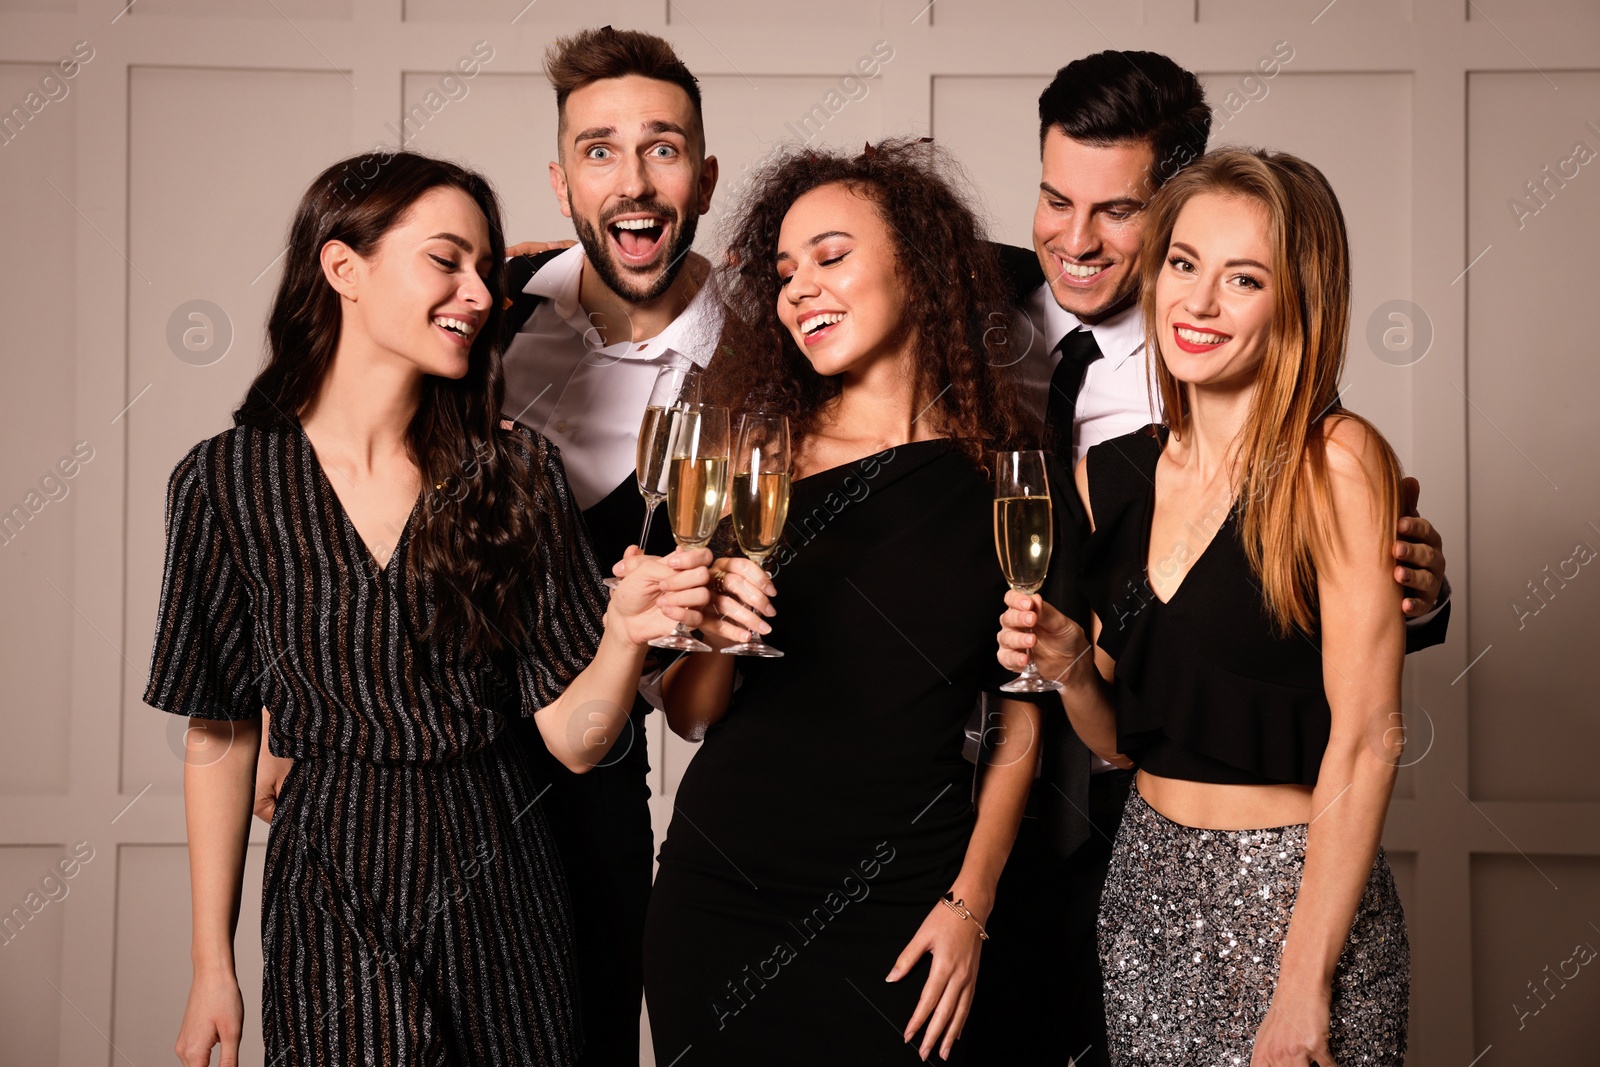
(373, 554)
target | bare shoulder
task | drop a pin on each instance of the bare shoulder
(1355, 452)
(1363, 478)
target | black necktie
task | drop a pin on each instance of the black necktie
(1078, 350)
(1065, 771)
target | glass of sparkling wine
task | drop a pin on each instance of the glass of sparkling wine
(1024, 527)
(673, 383)
(697, 486)
(760, 500)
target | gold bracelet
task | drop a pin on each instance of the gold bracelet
(960, 908)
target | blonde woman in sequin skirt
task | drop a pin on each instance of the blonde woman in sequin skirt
(1249, 644)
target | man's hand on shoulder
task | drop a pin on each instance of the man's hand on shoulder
(1419, 550)
(534, 248)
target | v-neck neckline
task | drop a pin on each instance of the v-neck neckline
(382, 569)
(1149, 529)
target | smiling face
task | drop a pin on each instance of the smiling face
(1214, 295)
(840, 295)
(421, 295)
(1088, 226)
(634, 179)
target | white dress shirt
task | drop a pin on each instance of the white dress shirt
(1116, 397)
(587, 397)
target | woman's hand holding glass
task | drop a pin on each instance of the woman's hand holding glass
(656, 594)
(759, 499)
(741, 603)
(1031, 631)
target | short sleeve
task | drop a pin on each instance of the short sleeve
(201, 659)
(567, 603)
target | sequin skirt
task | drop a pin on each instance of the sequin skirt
(1191, 927)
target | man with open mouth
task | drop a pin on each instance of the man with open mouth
(588, 330)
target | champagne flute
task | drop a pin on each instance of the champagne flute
(697, 485)
(1024, 529)
(673, 382)
(760, 499)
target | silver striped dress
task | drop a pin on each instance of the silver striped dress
(414, 910)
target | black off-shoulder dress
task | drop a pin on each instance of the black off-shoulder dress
(830, 808)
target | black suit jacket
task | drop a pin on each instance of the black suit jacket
(519, 272)
(613, 522)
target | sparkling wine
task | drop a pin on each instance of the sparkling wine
(1023, 528)
(696, 486)
(655, 438)
(760, 508)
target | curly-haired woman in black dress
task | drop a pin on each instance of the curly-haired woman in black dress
(829, 809)
(373, 554)
(1239, 570)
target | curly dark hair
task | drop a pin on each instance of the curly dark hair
(478, 534)
(956, 298)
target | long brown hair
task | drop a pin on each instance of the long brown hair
(956, 297)
(1281, 477)
(478, 540)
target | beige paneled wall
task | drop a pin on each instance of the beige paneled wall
(1536, 935)
(718, 14)
(203, 251)
(37, 501)
(35, 896)
(1532, 373)
(163, 173)
(1371, 12)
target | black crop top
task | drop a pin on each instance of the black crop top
(1206, 689)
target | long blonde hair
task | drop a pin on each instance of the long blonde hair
(1281, 473)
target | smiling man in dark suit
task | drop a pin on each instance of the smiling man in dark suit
(1112, 128)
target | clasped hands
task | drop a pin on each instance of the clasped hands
(657, 592)
(739, 604)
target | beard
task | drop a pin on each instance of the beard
(635, 286)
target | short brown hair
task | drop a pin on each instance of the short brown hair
(597, 55)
